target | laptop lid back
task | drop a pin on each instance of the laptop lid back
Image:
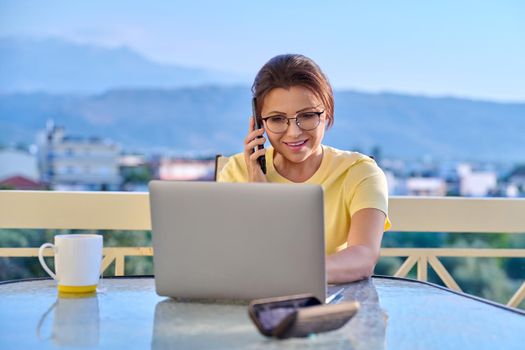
(237, 241)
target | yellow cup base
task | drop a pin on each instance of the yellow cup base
(77, 289)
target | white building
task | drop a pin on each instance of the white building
(426, 186)
(131, 160)
(15, 162)
(77, 163)
(186, 169)
(512, 190)
(476, 183)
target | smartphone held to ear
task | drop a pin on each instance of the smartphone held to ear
(258, 125)
(299, 315)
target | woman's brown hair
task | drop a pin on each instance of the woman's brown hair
(285, 71)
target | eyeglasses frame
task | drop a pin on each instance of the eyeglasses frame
(296, 121)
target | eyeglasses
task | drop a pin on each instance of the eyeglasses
(306, 121)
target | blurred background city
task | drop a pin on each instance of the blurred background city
(98, 96)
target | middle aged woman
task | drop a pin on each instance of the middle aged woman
(295, 104)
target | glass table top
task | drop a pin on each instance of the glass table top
(394, 314)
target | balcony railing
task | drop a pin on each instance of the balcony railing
(130, 211)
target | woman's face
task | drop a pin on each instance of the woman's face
(294, 144)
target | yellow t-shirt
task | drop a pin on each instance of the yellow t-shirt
(350, 181)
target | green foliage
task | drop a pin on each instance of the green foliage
(483, 277)
(515, 268)
(387, 265)
(134, 265)
(139, 265)
(414, 239)
(137, 175)
(16, 268)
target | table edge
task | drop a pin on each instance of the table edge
(462, 294)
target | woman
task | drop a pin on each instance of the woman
(295, 104)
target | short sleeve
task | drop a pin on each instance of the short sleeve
(370, 190)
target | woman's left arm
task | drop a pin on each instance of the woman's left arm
(358, 260)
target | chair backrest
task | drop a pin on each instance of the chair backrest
(220, 162)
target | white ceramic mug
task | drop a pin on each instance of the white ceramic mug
(78, 258)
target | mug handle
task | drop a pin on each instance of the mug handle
(41, 258)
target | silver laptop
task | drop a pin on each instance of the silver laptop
(237, 240)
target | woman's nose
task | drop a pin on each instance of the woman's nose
(293, 128)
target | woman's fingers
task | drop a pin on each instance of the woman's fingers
(257, 154)
(254, 143)
(253, 135)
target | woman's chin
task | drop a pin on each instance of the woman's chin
(295, 157)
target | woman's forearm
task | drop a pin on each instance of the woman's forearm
(350, 264)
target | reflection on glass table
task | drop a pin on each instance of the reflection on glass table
(126, 312)
(70, 311)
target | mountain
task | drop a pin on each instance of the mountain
(58, 66)
(214, 119)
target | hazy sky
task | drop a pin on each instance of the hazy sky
(461, 48)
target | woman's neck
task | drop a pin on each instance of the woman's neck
(298, 172)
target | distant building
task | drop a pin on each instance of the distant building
(131, 160)
(476, 183)
(14, 162)
(511, 190)
(77, 163)
(21, 183)
(426, 186)
(186, 169)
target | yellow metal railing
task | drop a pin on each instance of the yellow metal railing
(130, 211)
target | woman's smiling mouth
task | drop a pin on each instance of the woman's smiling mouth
(297, 145)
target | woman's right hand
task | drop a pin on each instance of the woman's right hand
(251, 141)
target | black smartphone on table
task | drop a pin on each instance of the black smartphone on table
(258, 125)
(299, 315)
